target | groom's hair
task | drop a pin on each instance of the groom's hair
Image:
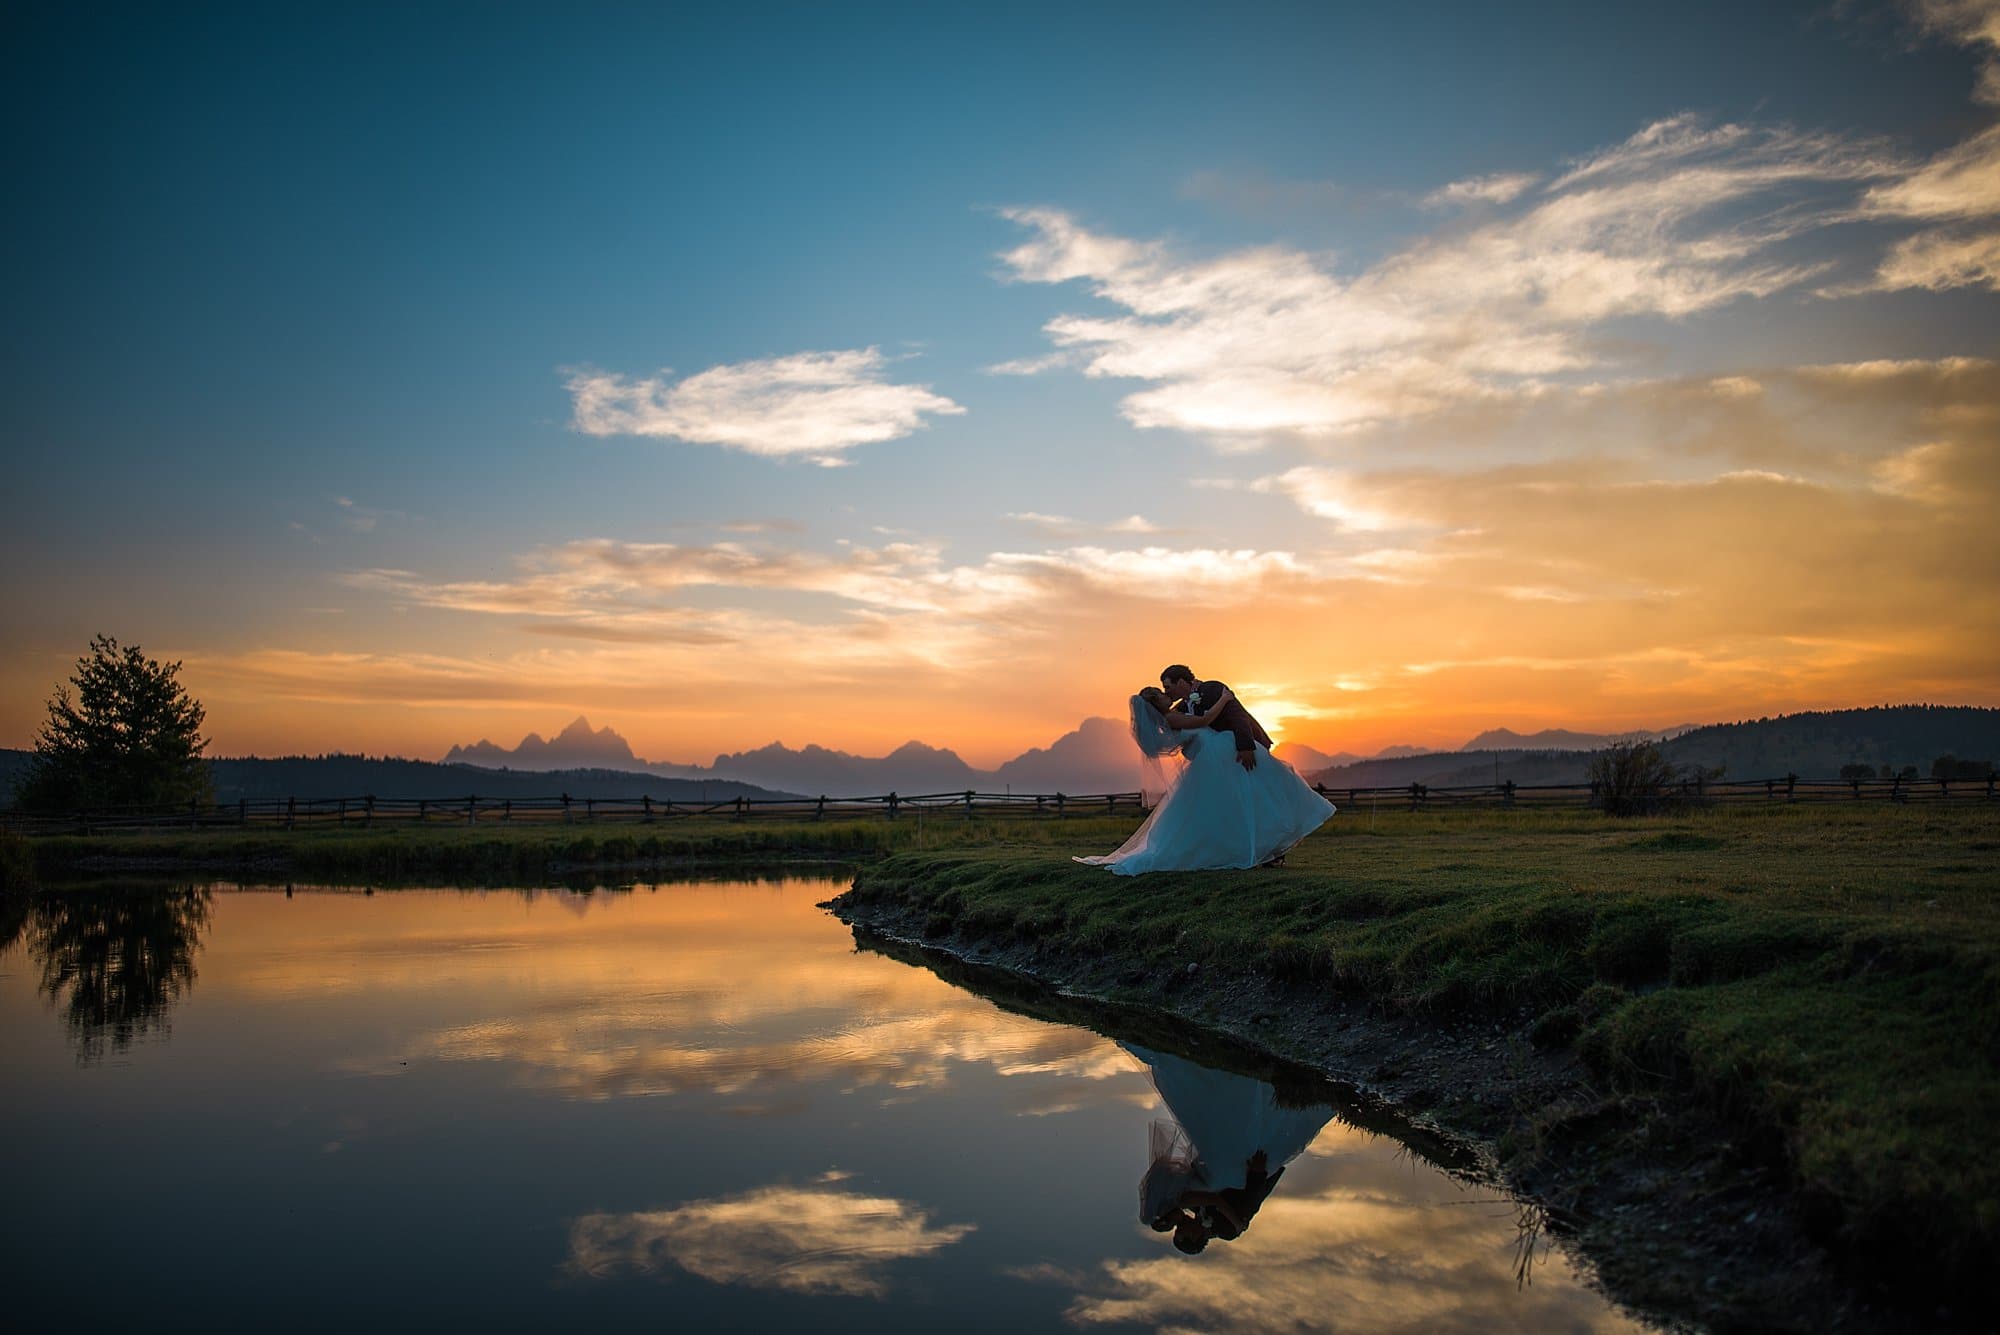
(1178, 672)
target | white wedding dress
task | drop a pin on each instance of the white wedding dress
(1216, 814)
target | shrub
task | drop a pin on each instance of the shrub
(1631, 778)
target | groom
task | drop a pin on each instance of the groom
(1197, 697)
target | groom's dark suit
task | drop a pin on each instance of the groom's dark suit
(1234, 718)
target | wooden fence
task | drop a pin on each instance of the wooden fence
(291, 813)
(341, 812)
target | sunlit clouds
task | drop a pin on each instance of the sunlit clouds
(1680, 218)
(813, 405)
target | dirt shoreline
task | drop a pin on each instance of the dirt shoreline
(1676, 1216)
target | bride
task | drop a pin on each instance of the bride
(1216, 812)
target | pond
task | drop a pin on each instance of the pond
(698, 1103)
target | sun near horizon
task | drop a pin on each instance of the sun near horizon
(817, 381)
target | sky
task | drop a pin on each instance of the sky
(852, 374)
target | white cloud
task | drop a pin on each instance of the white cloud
(1679, 219)
(1973, 23)
(811, 404)
(1062, 526)
(1331, 494)
(1938, 260)
(1961, 182)
(1499, 188)
(799, 1239)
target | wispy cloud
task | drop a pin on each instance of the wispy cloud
(1499, 188)
(1062, 526)
(813, 1240)
(812, 405)
(603, 581)
(1680, 218)
(1960, 187)
(1939, 260)
(360, 518)
(1972, 23)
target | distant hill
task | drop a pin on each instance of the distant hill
(1097, 756)
(1812, 745)
(1446, 769)
(362, 776)
(1816, 744)
(1562, 739)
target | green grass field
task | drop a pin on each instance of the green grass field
(495, 854)
(1826, 977)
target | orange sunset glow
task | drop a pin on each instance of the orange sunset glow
(1679, 410)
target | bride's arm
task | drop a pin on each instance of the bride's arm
(1203, 719)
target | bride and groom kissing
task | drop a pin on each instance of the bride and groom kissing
(1230, 805)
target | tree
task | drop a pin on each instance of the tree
(1951, 767)
(130, 735)
(1858, 770)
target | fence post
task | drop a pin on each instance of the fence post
(291, 813)
(243, 811)
(368, 812)
(590, 808)
(968, 804)
(568, 816)
(1038, 804)
(648, 800)
(1856, 785)
(472, 810)
(507, 809)
(1989, 785)
(1770, 788)
(892, 806)
(819, 812)
(1944, 787)
(1059, 806)
(1791, 787)
(1110, 803)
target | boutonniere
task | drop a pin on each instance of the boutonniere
(1194, 702)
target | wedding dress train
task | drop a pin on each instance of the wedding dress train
(1219, 815)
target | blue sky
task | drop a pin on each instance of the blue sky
(298, 294)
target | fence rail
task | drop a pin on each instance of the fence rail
(320, 812)
(341, 812)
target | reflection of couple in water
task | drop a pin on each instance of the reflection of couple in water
(1214, 1163)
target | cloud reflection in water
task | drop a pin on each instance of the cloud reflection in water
(801, 1239)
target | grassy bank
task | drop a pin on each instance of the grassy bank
(1826, 978)
(507, 855)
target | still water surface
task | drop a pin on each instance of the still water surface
(694, 1104)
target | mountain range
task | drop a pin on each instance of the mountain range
(1095, 757)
